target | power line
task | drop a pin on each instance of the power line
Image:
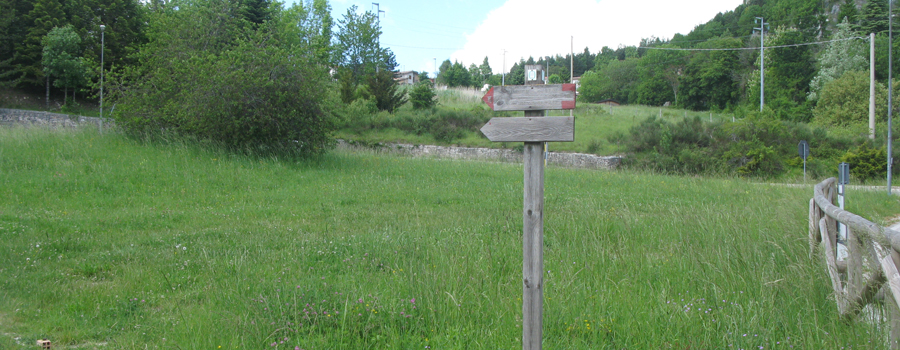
(424, 48)
(752, 48)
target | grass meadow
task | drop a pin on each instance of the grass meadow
(109, 242)
(594, 124)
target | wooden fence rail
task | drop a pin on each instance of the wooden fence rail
(871, 261)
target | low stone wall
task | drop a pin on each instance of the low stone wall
(45, 119)
(572, 160)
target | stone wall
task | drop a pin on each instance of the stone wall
(45, 119)
(572, 160)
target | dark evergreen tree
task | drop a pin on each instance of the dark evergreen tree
(850, 12)
(43, 17)
(874, 17)
(385, 90)
(256, 11)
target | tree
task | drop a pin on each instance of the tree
(788, 75)
(358, 44)
(874, 17)
(659, 76)
(460, 76)
(839, 57)
(443, 73)
(485, 69)
(206, 75)
(614, 81)
(62, 58)
(475, 77)
(708, 81)
(46, 15)
(845, 101)
(256, 11)
(454, 74)
(591, 86)
(849, 12)
(309, 23)
(385, 91)
(422, 95)
(516, 74)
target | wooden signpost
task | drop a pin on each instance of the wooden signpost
(534, 129)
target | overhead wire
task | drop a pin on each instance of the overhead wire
(752, 48)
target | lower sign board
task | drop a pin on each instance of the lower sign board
(530, 129)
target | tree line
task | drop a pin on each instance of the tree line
(245, 73)
(717, 65)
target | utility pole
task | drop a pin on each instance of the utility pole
(890, 156)
(872, 86)
(378, 18)
(102, 47)
(572, 66)
(762, 60)
(435, 71)
(503, 72)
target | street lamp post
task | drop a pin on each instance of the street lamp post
(102, 48)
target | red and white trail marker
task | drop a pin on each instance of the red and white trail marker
(531, 97)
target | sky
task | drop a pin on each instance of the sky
(424, 33)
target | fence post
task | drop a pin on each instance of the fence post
(827, 240)
(854, 265)
(814, 218)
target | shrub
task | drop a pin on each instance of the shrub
(758, 146)
(422, 96)
(866, 162)
(249, 91)
(845, 101)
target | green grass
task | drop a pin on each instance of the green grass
(170, 245)
(594, 125)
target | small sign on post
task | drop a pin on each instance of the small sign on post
(534, 74)
(843, 179)
(804, 153)
(534, 129)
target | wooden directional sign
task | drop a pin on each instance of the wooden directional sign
(530, 129)
(531, 97)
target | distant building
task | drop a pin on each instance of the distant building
(577, 82)
(406, 78)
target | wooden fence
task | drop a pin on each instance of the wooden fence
(872, 260)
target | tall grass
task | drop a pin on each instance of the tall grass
(171, 245)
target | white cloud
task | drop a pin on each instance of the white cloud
(539, 28)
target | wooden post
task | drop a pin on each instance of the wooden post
(534, 132)
(813, 226)
(533, 234)
(892, 291)
(855, 279)
(836, 285)
(533, 247)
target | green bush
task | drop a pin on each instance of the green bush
(758, 146)
(866, 162)
(845, 101)
(248, 91)
(422, 96)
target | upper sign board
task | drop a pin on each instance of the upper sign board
(531, 97)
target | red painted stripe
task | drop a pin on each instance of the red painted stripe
(568, 87)
(489, 98)
(568, 104)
